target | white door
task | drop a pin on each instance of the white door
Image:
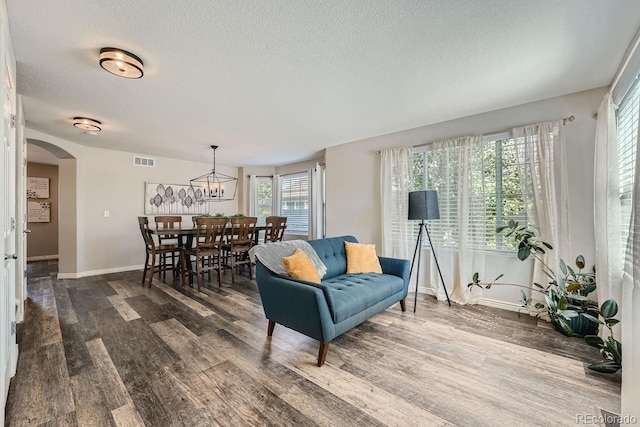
(8, 346)
(21, 211)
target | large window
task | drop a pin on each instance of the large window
(492, 182)
(264, 197)
(294, 202)
(627, 146)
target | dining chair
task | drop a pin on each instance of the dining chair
(169, 221)
(207, 249)
(154, 251)
(275, 226)
(240, 239)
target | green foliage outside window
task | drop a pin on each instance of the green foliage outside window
(264, 197)
(494, 188)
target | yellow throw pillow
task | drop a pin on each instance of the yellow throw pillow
(361, 258)
(300, 266)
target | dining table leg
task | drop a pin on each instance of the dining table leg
(188, 244)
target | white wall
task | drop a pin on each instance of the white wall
(352, 169)
(108, 180)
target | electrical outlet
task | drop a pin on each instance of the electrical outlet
(106, 214)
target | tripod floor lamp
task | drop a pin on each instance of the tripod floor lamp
(423, 205)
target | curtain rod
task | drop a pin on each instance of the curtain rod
(627, 58)
(569, 119)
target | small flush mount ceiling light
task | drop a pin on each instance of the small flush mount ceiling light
(87, 124)
(121, 63)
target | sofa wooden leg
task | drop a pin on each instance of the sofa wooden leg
(272, 325)
(403, 304)
(322, 353)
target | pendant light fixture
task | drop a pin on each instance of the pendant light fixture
(87, 124)
(214, 186)
(121, 63)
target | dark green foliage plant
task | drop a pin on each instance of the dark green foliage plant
(565, 295)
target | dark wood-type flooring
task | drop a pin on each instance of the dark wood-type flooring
(103, 351)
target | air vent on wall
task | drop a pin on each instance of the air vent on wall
(144, 161)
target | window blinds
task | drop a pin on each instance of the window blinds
(627, 146)
(294, 202)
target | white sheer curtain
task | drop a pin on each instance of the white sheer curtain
(253, 181)
(395, 183)
(458, 170)
(607, 221)
(316, 213)
(541, 156)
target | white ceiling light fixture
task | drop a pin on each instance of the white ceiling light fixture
(214, 186)
(121, 63)
(87, 124)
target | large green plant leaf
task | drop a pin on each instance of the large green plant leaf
(574, 286)
(615, 348)
(563, 267)
(551, 304)
(568, 314)
(609, 308)
(611, 322)
(588, 288)
(564, 326)
(594, 341)
(592, 318)
(605, 367)
(562, 303)
(523, 253)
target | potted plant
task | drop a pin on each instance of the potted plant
(565, 294)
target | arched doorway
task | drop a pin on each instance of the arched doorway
(67, 206)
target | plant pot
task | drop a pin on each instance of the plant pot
(582, 326)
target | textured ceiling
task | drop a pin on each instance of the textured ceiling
(274, 82)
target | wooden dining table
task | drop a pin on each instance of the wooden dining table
(186, 235)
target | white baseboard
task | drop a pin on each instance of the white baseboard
(42, 258)
(505, 305)
(500, 304)
(13, 363)
(82, 274)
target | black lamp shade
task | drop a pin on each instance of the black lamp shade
(424, 205)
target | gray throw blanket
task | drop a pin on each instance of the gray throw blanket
(271, 254)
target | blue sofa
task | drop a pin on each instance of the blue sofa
(340, 302)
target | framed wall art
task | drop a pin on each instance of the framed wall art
(38, 211)
(37, 188)
(176, 199)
